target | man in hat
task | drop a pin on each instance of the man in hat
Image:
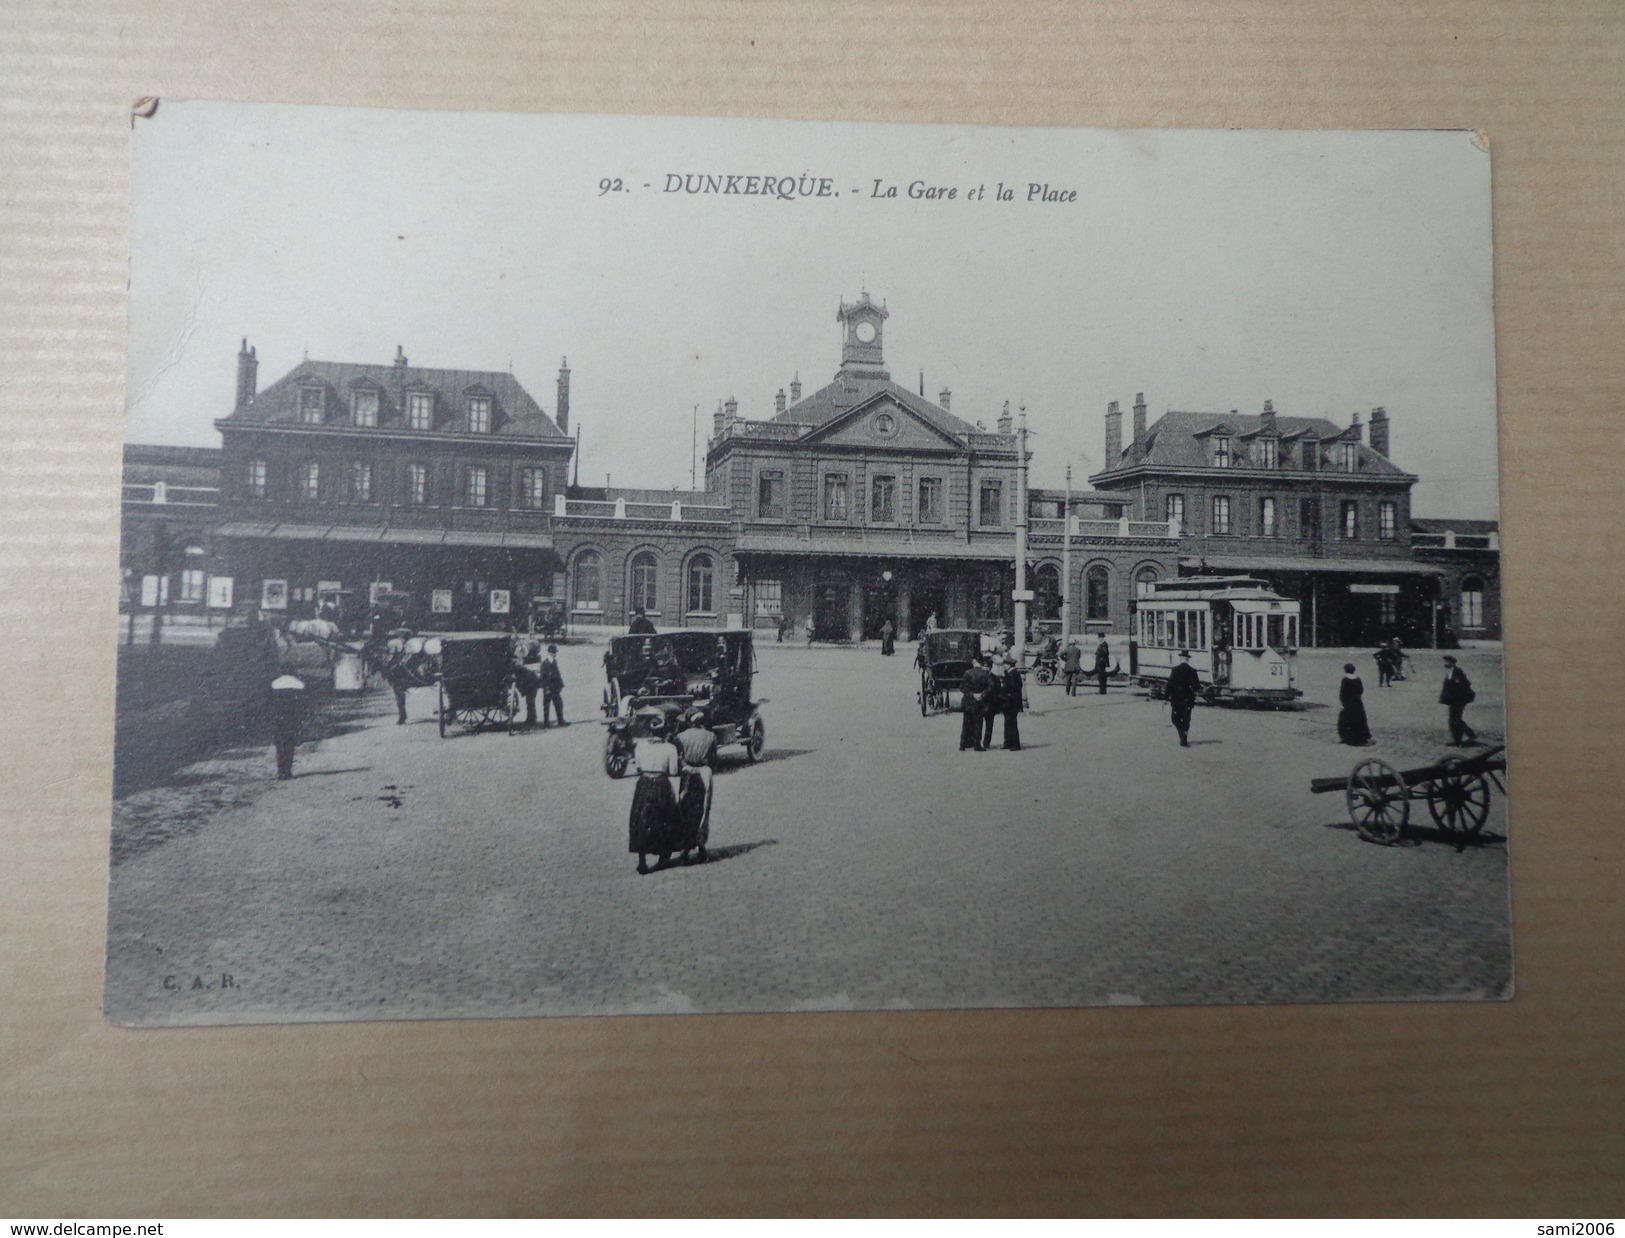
(641, 624)
(287, 718)
(1010, 703)
(976, 690)
(1071, 665)
(1184, 686)
(1455, 696)
(552, 681)
(1103, 663)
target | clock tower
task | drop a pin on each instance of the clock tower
(862, 324)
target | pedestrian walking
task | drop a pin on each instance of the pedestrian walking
(784, 624)
(931, 622)
(653, 827)
(812, 630)
(641, 624)
(552, 681)
(1071, 665)
(1011, 704)
(1184, 686)
(888, 639)
(524, 678)
(287, 720)
(697, 747)
(1455, 696)
(1103, 663)
(975, 689)
(1390, 657)
(1352, 727)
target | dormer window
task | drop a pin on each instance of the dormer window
(1268, 453)
(313, 404)
(364, 406)
(479, 414)
(1349, 454)
(1221, 452)
(420, 410)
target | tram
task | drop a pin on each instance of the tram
(1241, 634)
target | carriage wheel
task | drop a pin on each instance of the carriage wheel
(1458, 802)
(1045, 676)
(442, 710)
(615, 758)
(1379, 804)
(755, 738)
(925, 694)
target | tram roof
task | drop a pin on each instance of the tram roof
(1207, 588)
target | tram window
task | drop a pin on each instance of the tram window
(1180, 622)
(1292, 631)
(1201, 625)
(1277, 631)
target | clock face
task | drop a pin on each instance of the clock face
(865, 331)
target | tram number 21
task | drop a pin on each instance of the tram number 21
(1275, 669)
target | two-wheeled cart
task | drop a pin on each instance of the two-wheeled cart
(1456, 790)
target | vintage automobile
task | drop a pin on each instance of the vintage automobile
(944, 655)
(671, 672)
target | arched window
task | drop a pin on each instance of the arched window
(1144, 580)
(1472, 602)
(702, 584)
(1097, 591)
(588, 577)
(1047, 587)
(645, 578)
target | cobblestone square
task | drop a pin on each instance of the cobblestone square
(864, 863)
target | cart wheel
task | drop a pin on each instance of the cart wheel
(1379, 804)
(615, 758)
(1459, 803)
(925, 694)
(1045, 676)
(755, 738)
(442, 710)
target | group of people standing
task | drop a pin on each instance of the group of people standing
(991, 687)
(671, 805)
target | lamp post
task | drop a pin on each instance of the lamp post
(1022, 594)
(1066, 559)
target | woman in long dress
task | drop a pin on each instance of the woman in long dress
(1352, 727)
(653, 825)
(697, 745)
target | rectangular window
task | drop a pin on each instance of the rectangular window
(835, 496)
(533, 488)
(254, 479)
(310, 481)
(1309, 520)
(990, 510)
(312, 404)
(479, 414)
(770, 494)
(883, 500)
(417, 484)
(1221, 513)
(1349, 520)
(474, 486)
(1174, 505)
(769, 598)
(420, 410)
(1385, 520)
(1268, 453)
(1221, 453)
(1311, 455)
(192, 585)
(1350, 455)
(1266, 518)
(364, 407)
(220, 593)
(930, 500)
(360, 481)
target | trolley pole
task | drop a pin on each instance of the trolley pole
(1066, 560)
(1022, 594)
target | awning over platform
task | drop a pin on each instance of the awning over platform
(286, 531)
(889, 548)
(1265, 563)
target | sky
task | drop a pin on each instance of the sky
(1212, 270)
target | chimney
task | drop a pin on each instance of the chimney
(1379, 431)
(563, 409)
(1114, 435)
(718, 422)
(945, 398)
(248, 369)
(1139, 421)
(732, 410)
(1005, 423)
(1358, 429)
(795, 389)
(1267, 417)
(778, 402)
(400, 358)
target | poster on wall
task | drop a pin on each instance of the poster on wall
(1118, 513)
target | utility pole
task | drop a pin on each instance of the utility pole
(694, 449)
(1066, 560)
(1022, 595)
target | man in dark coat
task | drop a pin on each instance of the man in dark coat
(641, 624)
(552, 688)
(977, 690)
(1103, 663)
(524, 677)
(287, 719)
(1455, 696)
(1183, 688)
(1072, 666)
(1010, 704)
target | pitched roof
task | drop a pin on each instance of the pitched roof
(838, 397)
(1175, 441)
(514, 412)
(1471, 528)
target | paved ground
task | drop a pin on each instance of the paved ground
(866, 863)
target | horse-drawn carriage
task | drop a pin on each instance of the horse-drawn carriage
(670, 673)
(944, 655)
(478, 685)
